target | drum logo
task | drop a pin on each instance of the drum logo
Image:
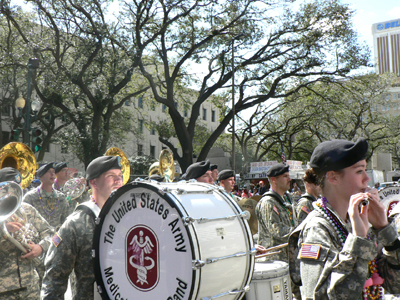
(142, 266)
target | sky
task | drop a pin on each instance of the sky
(368, 12)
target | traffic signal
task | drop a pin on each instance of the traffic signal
(36, 140)
(15, 135)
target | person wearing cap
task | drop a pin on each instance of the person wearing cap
(49, 202)
(305, 204)
(199, 171)
(345, 248)
(274, 212)
(18, 275)
(214, 172)
(71, 249)
(226, 179)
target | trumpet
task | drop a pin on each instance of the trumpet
(11, 211)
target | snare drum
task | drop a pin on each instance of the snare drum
(270, 281)
(172, 241)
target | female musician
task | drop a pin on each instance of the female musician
(334, 253)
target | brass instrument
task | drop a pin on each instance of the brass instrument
(19, 156)
(165, 166)
(11, 211)
(125, 166)
(74, 188)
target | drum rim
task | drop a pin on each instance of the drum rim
(98, 227)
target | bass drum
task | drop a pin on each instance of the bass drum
(172, 241)
(390, 196)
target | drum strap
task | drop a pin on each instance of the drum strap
(91, 206)
(309, 197)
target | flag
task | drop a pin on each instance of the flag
(283, 156)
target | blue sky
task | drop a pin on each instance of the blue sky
(368, 12)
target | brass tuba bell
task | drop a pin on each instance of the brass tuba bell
(165, 166)
(125, 166)
(19, 156)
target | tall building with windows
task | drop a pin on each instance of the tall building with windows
(386, 37)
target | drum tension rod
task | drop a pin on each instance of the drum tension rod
(231, 292)
(197, 264)
(190, 220)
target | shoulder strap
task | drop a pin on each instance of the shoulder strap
(308, 196)
(274, 195)
(89, 206)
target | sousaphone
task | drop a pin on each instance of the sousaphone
(19, 156)
(164, 167)
(125, 166)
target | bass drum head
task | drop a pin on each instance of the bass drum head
(142, 250)
(390, 196)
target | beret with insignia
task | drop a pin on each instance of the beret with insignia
(60, 166)
(197, 169)
(102, 164)
(225, 174)
(43, 169)
(277, 169)
(335, 155)
(10, 174)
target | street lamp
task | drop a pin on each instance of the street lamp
(33, 64)
(238, 36)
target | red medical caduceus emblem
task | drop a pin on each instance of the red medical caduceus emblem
(142, 257)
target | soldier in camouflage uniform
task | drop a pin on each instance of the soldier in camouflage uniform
(50, 203)
(305, 204)
(334, 253)
(72, 244)
(274, 212)
(19, 279)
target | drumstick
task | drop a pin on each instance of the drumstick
(272, 249)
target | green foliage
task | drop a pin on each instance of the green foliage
(140, 165)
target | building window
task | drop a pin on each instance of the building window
(204, 114)
(152, 131)
(213, 116)
(140, 102)
(153, 106)
(140, 126)
(185, 112)
(153, 151)
(398, 95)
(5, 110)
(164, 108)
(383, 107)
(127, 103)
(140, 149)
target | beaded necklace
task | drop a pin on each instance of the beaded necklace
(52, 206)
(373, 284)
(58, 188)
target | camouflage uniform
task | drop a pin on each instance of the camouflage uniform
(58, 216)
(304, 207)
(339, 272)
(19, 279)
(72, 253)
(275, 223)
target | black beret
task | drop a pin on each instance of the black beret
(338, 154)
(225, 174)
(43, 169)
(197, 169)
(102, 164)
(10, 174)
(60, 166)
(213, 167)
(277, 169)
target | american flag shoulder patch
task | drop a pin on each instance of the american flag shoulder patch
(56, 239)
(310, 251)
(305, 209)
(276, 210)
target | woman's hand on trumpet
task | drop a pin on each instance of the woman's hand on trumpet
(36, 251)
